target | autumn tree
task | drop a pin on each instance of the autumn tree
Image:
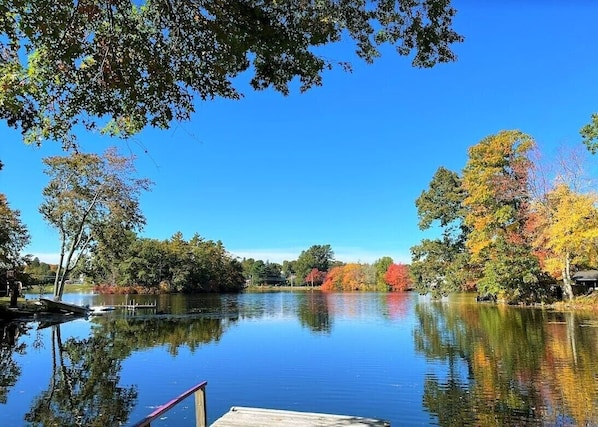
(440, 266)
(563, 212)
(497, 202)
(319, 257)
(354, 278)
(86, 194)
(350, 277)
(315, 277)
(122, 66)
(397, 277)
(381, 267)
(569, 232)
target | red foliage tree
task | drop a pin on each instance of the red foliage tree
(315, 277)
(397, 277)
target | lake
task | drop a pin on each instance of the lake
(396, 356)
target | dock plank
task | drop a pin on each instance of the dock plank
(258, 417)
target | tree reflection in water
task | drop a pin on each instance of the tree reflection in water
(84, 387)
(170, 331)
(507, 366)
(10, 371)
(313, 312)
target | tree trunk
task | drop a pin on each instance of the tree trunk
(567, 288)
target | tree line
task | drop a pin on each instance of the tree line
(316, 266)
(510, 227)
(123, 68)
(171, 265)
(93, 203)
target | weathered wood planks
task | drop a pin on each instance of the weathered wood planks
(257, 417)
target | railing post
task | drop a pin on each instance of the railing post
(201, 417)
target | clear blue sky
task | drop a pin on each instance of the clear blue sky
(342, 164)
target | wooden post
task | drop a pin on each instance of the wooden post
(201, 419)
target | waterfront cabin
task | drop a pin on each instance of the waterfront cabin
(585, 280)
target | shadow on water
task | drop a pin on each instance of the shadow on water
(508, 366)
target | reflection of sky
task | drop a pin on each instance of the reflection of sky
(362, 365)
(36, 368)
(272, 352)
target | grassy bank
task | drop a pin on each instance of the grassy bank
(269, 288)
(34, 291)
(48, 289)
(579, 303)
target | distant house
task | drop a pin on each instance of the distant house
(586, 280)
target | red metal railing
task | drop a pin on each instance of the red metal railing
(201, 418)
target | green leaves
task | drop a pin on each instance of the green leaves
(439, 265)
(122, 66)
(589, 134)
(14, 235)
(443, 200)
(90, 196)
(485, 218)
(319, 257)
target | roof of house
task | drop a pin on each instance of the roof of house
(585, 275)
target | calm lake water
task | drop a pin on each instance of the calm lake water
(399, 357)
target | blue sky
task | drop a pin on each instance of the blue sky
(342, 164)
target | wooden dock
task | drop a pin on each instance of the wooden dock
(258, 417)
(134, 305)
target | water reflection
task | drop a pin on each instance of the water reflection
(84, 387)
(10, 345)
(448, 363)
(137, 333)
(508, 366)
(313, 312)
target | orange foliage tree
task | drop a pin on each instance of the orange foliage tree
(348, 277)
(397, 277)
(333, 280)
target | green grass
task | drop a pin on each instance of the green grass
(48, 289)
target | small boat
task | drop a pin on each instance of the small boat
(98, 310)
(64, 307)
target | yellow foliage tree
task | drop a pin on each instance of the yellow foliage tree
(571, 231)
(496, 181)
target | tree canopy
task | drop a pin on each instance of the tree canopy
(121, 65)
(568, 231)
(589, 134)
(507, 230)
(89, 196)
(318, 257)
(14, 236)
(439, 265)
